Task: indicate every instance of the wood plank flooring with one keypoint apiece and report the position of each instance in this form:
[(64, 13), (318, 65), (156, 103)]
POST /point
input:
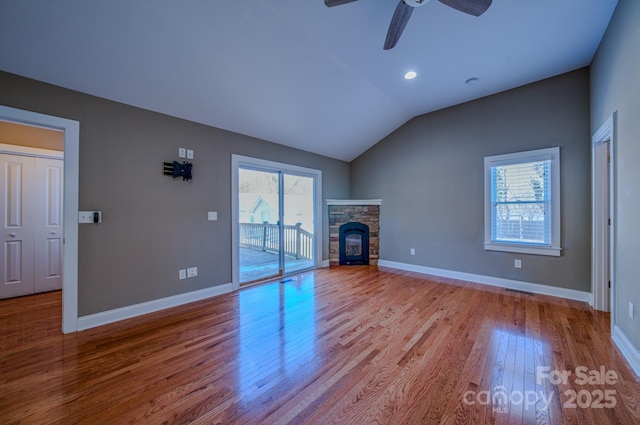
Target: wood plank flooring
[(345, 345)]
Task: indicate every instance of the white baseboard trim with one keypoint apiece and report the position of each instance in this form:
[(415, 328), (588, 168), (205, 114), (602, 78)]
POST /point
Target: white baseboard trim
[(115, 315), (535, 288), (627, 349)]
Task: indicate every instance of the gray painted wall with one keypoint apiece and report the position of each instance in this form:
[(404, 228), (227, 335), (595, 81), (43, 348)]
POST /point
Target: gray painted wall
[(154, 225), (429, 174), (615, 86)]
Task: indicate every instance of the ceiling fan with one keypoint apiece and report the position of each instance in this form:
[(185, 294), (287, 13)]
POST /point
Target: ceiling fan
[(405, 8)]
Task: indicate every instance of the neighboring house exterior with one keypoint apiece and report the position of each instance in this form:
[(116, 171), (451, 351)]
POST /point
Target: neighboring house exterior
[(254, 208), (258, 208)]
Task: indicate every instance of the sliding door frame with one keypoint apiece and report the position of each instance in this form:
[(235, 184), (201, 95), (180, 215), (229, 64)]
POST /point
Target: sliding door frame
[(239, 161)]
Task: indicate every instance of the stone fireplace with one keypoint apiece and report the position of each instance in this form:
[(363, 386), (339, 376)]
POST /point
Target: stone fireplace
[(354, 225)]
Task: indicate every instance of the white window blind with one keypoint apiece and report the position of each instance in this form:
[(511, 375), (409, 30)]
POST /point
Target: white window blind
[(522, 202)]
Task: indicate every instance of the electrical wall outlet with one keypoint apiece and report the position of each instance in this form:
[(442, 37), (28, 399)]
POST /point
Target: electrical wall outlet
[(212, 215), (182, 274), (192, 272), (189, 154), (517, 264), (413, 251)]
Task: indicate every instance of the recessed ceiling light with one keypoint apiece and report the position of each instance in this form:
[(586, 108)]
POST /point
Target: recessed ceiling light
[(410, 75), (471, 81)]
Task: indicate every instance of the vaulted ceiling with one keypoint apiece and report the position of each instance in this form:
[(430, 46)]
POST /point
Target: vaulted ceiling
[(295, 72)]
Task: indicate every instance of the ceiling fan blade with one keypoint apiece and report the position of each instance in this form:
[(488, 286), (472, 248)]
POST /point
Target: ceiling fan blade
[(398, 22), (472, 7), (331, 3)]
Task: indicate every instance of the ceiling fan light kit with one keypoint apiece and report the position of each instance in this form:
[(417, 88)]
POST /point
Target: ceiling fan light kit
[(416, 3), (405, 8)]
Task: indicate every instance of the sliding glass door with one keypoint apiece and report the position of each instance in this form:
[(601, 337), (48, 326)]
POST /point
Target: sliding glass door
[(259, 220), (276, 220), (299, 228)]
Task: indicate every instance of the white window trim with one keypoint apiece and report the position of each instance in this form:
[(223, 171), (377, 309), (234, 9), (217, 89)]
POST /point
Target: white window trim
[(552, 154)]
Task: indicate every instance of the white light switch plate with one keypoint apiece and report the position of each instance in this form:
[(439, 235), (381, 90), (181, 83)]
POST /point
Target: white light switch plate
[(85, 217), (212, 215), (182, 274), (88, 217), (182, 152)]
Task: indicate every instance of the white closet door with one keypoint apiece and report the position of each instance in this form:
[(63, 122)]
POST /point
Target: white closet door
[(16, 218), (48, 224)]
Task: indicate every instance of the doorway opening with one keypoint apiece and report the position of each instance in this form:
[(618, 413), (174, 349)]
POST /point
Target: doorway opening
[(603, 225), (31, 194), (276, 219), (71, 145)]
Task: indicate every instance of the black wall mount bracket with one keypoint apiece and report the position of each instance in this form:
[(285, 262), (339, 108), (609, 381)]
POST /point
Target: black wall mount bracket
[(175, 169)]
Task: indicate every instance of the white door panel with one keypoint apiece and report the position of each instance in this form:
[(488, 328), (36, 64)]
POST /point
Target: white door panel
[(16, 214), (31, 220), (48, 224)]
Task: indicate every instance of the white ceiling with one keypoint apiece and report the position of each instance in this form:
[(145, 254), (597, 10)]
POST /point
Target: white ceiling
[(295, 72)]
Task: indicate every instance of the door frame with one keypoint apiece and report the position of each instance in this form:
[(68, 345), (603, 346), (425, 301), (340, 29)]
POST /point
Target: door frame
[(71, 131), (238, 161), (603, 254)]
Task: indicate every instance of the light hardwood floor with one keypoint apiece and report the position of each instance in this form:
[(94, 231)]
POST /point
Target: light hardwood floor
[(352, 345)]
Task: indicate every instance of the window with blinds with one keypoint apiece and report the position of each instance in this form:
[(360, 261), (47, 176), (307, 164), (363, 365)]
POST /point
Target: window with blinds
[(522, 202), (520, 199)]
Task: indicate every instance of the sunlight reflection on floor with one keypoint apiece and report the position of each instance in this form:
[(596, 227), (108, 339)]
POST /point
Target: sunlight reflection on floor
[(283, 309)]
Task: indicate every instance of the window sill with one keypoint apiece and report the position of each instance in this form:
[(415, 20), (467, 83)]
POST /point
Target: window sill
[(523, 249)]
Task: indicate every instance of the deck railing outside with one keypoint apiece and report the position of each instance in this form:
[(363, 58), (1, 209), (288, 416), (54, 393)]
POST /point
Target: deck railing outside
[(298, 242)]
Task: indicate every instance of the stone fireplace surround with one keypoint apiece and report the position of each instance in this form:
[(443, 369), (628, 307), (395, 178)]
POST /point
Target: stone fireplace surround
[(366, 211)]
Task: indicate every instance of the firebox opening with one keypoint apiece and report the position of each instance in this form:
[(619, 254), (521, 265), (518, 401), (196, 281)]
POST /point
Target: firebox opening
[(354, 244)]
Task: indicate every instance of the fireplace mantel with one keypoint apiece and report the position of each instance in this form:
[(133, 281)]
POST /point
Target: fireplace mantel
[(354, 201)]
